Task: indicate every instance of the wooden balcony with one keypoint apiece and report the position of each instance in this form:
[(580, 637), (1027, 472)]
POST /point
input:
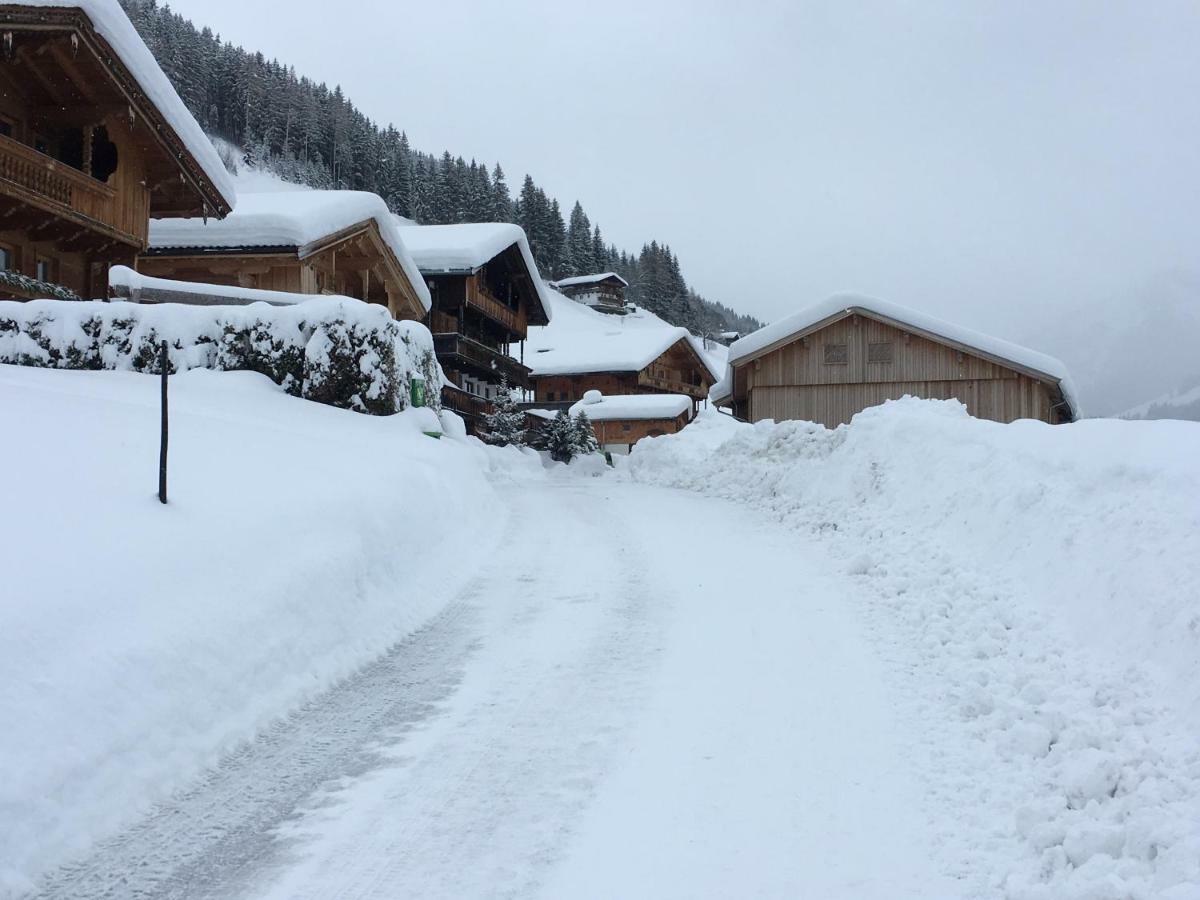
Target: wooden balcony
[(455, 351), (481, 299), (46, 190), (470, 407), (670, 386)]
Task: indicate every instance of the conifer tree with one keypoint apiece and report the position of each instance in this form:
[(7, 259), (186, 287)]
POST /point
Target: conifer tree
[(559, 438), (585, 435), (506, 423)]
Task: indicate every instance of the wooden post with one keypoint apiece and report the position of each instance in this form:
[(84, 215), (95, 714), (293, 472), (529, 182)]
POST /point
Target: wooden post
[(164, 364)]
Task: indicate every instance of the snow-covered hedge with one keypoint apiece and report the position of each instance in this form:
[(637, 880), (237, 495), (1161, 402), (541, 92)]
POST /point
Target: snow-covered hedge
[(334, 350), (1036, 591)]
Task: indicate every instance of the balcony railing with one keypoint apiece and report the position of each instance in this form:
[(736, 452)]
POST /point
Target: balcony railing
[(466, 405), (671, 386), (481, 298), (53, 186), (455, 350)]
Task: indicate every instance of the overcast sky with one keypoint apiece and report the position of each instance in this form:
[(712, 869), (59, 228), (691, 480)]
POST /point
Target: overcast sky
[(1011, 165)]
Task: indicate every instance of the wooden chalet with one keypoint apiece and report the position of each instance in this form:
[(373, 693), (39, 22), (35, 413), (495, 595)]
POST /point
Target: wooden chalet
[(93, 142), (621, 421), (644, 360), (300, 242), (486, 292), (603, 292), (830, 362)]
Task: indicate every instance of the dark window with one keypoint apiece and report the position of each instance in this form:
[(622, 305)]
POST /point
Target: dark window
[(879, 353), (6, 127), (6, 260), (625, 426), (104, 155), (836, 355), (45, 269)]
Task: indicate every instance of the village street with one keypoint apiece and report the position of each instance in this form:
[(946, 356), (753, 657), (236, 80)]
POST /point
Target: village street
[(609, 709)]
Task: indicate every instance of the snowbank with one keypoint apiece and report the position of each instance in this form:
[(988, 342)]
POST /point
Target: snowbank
[(1037, 589), (330, 349), (600, 407), (139, 642)]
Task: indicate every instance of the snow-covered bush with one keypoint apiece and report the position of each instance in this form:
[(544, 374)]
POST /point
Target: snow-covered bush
[(337, 351), (505, 425)]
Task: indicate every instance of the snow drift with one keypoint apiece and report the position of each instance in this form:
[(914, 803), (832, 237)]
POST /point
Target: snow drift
[(333, 350), (138, 642), (1037, 589)]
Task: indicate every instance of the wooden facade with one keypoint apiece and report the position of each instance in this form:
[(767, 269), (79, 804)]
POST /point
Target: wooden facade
[(678, 370), (624, 433), (479, 320), (838, 368), (85, 158), (603, 293), (354, 262)]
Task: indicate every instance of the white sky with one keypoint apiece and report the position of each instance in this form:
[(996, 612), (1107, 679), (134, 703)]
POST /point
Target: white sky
[(1029, 168)]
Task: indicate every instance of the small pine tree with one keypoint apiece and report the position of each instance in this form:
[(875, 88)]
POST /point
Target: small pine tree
[(558, 437), (506, 423), (585, 435)]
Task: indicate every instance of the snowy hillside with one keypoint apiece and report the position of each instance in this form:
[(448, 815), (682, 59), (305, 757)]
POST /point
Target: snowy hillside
[(140, 642), (1181, 404), (1034, 589)]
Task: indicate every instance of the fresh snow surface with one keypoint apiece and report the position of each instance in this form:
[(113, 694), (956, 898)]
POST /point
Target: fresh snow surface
[(114, 26), (589, 279), (140, 642), (831, 306), (603, 407), (464, 248), (580, 339), (123, 276), (281, 218), (1032, 590)]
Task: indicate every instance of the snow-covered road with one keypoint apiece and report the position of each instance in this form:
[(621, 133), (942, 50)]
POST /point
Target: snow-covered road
[(616, 706)]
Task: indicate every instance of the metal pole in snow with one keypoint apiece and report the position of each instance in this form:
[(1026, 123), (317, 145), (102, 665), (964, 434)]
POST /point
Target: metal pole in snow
[(164, 365)]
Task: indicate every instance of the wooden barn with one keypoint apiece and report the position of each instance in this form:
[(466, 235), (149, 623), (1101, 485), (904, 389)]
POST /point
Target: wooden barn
[(603, 292), (301, 242), (93, 142), (486, 292), (622, 421), (828, 363), (661, 360)]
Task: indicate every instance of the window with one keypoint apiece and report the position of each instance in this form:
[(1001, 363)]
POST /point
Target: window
[(879, 353), (6, 126), (104, 155), (836, 355), (45, 269), (6, 259), (625, 426)]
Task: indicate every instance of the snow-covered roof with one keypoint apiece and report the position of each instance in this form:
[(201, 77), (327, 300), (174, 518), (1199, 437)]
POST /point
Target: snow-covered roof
[(631, 406), (581, 340), (111, 23), (291, 219), (589, 279), (127, 284), (449, 249), (795, 325)]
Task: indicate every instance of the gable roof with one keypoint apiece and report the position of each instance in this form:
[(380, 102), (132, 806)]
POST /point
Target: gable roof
[(581, 340), (589, 279), (111, 24), (838, 306), (463, 249), (290, 219)]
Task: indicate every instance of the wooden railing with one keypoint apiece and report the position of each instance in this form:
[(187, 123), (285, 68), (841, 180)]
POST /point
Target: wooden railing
[(466, 405), (455, 349), (671, 386), (58, 188), (481, 298)]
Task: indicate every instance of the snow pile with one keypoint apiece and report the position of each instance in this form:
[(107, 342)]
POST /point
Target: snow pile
[(292, 219), (330, 349), (114, 26), (580, 339), (139, 642), (1036, 590)]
